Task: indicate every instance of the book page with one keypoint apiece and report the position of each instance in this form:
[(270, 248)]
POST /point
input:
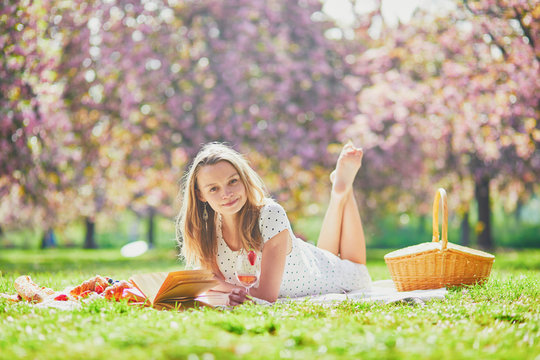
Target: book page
[(186, 289), (176, 277), (149, 284), (214, 298), (189, 275)]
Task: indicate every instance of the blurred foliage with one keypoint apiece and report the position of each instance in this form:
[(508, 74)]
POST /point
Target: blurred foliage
[(104, 103)]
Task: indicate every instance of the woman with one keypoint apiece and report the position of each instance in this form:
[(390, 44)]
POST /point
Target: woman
[(226, 209)]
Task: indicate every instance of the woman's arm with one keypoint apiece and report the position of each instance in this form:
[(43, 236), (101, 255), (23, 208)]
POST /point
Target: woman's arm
[(273, 263)]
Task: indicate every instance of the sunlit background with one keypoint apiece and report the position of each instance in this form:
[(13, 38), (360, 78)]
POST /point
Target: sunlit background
[(104, 103)]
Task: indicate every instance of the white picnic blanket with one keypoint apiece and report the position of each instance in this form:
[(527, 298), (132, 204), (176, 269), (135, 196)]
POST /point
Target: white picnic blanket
[(383, 291)]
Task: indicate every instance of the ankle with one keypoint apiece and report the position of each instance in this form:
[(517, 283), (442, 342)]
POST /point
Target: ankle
[(341, 194)]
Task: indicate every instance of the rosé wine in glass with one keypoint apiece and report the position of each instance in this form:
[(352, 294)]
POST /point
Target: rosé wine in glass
[(247, 280), (248, 267)]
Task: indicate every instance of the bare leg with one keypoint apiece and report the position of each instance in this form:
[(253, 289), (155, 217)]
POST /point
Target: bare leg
[(342, 218), (330, 235), (352, 242)]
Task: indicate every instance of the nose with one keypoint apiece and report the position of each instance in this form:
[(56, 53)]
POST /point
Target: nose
[(227, 193)]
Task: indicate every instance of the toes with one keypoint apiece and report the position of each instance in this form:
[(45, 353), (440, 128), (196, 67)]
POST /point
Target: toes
[(350, 148), (353, 152)]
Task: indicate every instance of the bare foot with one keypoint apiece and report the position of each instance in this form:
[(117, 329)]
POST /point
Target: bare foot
[(348, 164)]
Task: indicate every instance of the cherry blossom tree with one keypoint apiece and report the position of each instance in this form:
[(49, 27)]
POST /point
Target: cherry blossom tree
[(145, 84), (32, 123), (103, 103), (456, 98)]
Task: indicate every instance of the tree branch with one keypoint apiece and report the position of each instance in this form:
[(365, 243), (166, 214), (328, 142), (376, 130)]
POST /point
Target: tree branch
[(526, 31), (497, 43)]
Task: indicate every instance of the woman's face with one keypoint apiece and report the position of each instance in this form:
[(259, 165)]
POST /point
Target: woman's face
[(220, 185)]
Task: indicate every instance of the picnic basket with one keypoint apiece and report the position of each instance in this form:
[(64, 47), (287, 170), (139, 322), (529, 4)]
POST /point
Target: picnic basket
[(437, 264)]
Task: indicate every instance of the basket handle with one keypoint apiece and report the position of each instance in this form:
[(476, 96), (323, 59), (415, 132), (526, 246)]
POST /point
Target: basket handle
[(441, 194)]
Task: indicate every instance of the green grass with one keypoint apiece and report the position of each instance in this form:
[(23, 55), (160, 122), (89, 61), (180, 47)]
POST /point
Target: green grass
[(497, 320)]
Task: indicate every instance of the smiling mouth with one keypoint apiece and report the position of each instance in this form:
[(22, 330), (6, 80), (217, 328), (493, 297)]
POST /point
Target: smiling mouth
[(231, 203)]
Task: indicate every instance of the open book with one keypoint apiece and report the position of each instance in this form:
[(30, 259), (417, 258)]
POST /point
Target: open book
[(170, 290)]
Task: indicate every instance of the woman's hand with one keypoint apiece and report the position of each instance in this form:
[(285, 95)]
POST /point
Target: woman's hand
[(238, 296)]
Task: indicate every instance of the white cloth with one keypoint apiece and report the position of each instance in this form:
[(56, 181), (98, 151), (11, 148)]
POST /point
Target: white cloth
[(308, 269), (383, 291)]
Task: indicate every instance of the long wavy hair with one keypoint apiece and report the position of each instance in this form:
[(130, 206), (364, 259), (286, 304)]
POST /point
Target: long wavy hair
[(197, 240)]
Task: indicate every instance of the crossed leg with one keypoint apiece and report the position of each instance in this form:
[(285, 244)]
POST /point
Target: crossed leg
[(341, 231)]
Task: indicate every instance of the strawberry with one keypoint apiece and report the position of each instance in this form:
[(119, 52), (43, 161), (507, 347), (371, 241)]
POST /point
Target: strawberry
[(252, 256), (61, 297), (86, 294), (99, 289)]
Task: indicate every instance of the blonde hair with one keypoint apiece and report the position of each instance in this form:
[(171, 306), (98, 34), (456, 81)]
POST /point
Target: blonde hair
[(198, 242)]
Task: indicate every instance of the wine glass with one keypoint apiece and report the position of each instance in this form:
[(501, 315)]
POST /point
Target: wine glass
[(248, 267)]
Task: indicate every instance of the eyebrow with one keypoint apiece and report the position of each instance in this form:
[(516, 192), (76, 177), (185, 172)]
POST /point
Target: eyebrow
[(212, 184)]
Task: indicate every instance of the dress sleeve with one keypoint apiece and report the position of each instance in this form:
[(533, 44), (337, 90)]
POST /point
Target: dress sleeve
[(273, 220)]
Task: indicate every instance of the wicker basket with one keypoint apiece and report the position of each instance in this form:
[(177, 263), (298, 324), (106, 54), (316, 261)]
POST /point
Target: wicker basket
[(438, 264)]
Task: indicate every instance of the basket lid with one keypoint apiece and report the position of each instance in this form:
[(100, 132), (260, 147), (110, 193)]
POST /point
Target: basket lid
[(439, 243), (413, 250), (432, 246)]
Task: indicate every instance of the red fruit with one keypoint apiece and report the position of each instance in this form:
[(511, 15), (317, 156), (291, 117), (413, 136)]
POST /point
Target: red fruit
[(85, 294), (252, 256), (61, 297), (99, 289)]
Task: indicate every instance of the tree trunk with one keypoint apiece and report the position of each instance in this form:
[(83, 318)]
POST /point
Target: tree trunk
[(465, 230), (481, 192), (517, 212), (49, 239), (90, 238), (422, 224), (45, 240), (151, 228)]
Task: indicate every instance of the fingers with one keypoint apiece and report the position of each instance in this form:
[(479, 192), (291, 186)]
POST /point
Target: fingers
[(237, 296)]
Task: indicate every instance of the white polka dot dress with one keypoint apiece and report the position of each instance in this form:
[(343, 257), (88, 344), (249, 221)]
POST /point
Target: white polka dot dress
[(308, 269)]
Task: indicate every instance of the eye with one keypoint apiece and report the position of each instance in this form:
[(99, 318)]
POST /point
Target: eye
[(233, 181), (213, 189)]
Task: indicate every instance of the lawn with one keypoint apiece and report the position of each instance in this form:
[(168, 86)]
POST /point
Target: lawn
[(497, 320)]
